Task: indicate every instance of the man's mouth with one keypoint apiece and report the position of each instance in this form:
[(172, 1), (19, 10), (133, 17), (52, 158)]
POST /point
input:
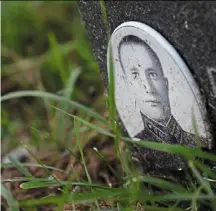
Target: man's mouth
[(153, 103)]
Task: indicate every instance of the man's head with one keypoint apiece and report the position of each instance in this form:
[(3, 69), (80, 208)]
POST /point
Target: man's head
[(145, 77)]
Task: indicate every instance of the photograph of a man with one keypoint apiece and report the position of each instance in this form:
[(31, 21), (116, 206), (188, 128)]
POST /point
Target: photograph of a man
[(146, 80), (150, 88)]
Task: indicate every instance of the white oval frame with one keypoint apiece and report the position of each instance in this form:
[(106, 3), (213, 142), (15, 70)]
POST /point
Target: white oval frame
[(176, 58)]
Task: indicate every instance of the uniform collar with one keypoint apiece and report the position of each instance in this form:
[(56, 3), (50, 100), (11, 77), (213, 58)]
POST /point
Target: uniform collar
[(171, 132)]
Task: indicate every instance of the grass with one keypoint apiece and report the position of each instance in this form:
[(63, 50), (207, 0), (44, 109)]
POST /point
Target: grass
[(58, 92)]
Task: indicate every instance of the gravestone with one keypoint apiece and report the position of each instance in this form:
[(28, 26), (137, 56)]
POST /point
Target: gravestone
[(164, 57)]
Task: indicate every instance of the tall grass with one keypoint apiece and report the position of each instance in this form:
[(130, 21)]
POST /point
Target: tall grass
[(134, 190)]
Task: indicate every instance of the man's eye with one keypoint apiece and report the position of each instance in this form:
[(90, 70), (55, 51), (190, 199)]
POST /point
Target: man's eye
[(153, 75), (135, 75)]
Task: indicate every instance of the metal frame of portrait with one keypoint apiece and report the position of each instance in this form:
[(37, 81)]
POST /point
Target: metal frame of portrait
[(183, 93)]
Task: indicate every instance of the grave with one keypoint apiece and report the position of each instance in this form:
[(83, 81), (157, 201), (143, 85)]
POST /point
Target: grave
[(164, 57)]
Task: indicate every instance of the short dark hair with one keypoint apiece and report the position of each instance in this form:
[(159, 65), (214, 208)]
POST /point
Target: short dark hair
[(135, 39)]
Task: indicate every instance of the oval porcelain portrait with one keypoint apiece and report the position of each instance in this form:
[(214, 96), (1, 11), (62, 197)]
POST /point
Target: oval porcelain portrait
[(155, 93)]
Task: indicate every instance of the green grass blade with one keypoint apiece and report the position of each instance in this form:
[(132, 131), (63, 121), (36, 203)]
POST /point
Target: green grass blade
[(76, 126), (35, 165), (75, 73), (57, 57), (115, 194), (108, 165), (67, 93), (13, 204), (75, 198), (47, 95), (49, 173), (112, 105), (81, 150), (92, 126), (48, 183), (20, 167), (154, 208), (205, 184), (187, 152), (163, 184), (111, 89), (196, 132), (167, 197), (23, 179), (43, 201), (178, 149), (205, 169), (174, 197), (105, 17)]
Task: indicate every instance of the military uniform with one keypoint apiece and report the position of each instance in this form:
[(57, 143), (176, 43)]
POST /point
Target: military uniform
[(171, 133)]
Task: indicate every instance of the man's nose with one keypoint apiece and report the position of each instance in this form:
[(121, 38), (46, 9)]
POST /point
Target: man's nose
[(147, 85)]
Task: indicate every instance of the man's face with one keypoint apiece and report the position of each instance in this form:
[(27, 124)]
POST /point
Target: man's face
[(146, 80)]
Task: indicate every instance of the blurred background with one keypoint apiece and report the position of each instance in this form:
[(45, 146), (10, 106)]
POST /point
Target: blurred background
[(45, 47), (45, 56)]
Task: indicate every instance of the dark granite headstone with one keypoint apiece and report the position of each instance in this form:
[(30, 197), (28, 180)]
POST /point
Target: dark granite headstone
[(190, 29)]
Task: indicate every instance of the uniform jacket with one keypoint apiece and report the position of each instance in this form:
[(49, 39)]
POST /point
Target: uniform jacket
[(171, 133)]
